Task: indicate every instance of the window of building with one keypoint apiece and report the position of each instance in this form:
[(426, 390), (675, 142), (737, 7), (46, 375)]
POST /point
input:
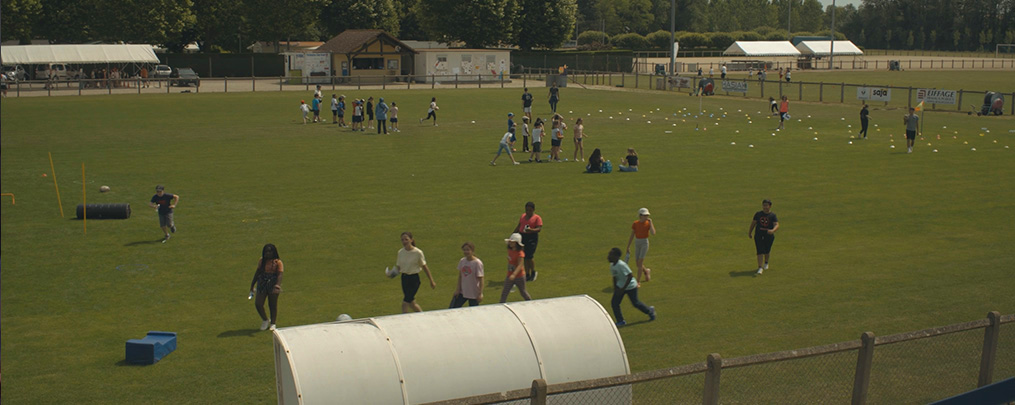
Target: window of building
[(368, 63)]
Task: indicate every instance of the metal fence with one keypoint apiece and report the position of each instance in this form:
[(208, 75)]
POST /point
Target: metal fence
[(644, 65), (911, 367)]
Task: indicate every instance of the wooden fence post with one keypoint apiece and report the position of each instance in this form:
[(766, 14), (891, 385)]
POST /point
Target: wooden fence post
[(909, 99), (821, 91), (861, 380), (959, 106), (989, 353), (801, 91), (712, 376), (842, 93), (538, 392)]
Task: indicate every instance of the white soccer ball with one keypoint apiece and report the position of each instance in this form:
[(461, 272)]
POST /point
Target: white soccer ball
[(391, 272), (344, 317), (104, 189)]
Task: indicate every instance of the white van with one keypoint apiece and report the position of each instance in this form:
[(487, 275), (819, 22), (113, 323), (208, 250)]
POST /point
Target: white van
[(59, 71)]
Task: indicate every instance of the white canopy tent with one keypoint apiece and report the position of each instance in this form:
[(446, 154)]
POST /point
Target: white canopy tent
[(762, 48), (77, 54), (824, 48)]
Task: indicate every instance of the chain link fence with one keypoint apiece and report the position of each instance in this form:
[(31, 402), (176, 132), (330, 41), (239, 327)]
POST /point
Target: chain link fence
[(826, 378), (926, 370)]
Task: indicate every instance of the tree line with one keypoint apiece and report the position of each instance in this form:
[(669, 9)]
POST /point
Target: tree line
[(231, 25)]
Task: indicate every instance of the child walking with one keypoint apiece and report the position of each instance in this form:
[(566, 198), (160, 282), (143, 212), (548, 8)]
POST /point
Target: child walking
[(305, 110), (640, 231), (516, 268), (431, 112), (625, 284), (470, 278)]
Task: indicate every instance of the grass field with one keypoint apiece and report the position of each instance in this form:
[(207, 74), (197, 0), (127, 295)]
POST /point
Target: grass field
[(871, 238)]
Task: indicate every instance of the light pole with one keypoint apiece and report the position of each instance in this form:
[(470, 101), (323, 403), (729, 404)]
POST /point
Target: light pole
[(789, 20), (831, 44), (673, 35)]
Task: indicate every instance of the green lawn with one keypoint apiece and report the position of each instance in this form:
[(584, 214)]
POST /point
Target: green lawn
[(871, 238)]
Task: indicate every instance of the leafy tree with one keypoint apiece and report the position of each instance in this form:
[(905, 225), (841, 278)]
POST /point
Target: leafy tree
[(156, 22), (408, 23), (659, 40), (623, 16), (778, 35), (631, 41), (341, 15), (750, 36), (545, 24), (910, 40), (593, 37), (67, 21), (721, 40), (218, 22), (277, 20), (811, 16), (477, 23), (693, 40), (18, 18)]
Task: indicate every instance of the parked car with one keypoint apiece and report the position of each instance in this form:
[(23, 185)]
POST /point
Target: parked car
[(15, 72), (59, 71), (162, 71), (185, 77)]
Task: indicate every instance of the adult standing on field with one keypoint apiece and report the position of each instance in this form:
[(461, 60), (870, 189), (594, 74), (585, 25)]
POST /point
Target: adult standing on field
[(766, 223), (527, 103), (783, 112), (165, 203), (640, 231), (268, 282), (370, 112), (912, 122), (410, 261), (554, 96), (864, 120), (529, 226), (382, 116)]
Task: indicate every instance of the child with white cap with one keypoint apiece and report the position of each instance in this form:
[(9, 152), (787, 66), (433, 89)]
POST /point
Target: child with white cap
[(640, 231), (516, 268)]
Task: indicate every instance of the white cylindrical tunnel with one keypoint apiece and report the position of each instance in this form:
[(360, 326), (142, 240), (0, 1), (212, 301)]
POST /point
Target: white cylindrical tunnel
[(436, 355)]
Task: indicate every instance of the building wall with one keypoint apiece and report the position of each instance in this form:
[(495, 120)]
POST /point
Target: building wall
[(468, 64)]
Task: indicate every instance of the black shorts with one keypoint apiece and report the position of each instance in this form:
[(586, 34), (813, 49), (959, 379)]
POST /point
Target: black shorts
[(782, 116), (911, 135), (266, 283), (530, 243), (537, 146), (554, 142), (763, 242), (410, 286), (394, 120)]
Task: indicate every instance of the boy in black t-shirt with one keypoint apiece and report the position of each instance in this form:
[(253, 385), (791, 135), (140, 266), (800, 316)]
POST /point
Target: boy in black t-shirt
[(165, 203), (767, 223)]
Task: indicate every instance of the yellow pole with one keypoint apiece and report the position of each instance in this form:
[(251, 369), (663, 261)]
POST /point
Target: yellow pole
[(84, 199), (55, 185)]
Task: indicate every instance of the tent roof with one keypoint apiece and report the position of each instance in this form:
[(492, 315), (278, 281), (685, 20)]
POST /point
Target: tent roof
[(762, 48), (824, 48), (77, 54)]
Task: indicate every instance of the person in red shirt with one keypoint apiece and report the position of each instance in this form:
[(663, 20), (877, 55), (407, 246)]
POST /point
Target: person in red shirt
[(640, 231), (529, 226)]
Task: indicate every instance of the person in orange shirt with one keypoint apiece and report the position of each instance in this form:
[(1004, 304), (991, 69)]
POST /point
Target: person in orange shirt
[(516, 268), (783, 112), (640, 231)]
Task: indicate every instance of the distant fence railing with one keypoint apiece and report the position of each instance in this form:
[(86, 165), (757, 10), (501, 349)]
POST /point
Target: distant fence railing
[(911, 367), (641, 65)]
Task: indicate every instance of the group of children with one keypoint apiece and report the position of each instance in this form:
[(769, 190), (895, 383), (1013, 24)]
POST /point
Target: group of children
[(363, 112), (537, 133)]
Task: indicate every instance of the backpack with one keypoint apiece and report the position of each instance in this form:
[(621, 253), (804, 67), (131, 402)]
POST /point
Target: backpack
[(607, 167)]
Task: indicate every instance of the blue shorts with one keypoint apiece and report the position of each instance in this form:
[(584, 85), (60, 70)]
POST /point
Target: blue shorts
[(503, 147), (394, 120)]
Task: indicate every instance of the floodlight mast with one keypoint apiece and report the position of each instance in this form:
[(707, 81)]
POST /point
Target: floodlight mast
[(673, 35), (831, 44)]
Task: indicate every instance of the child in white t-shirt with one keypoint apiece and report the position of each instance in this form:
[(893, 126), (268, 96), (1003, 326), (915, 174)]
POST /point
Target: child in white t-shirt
[(393, 117), (505, 145), (305, 110)]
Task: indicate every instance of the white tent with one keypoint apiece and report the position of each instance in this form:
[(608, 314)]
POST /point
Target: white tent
[(454, 353), (762, 48), (77, 54), (823, 48)]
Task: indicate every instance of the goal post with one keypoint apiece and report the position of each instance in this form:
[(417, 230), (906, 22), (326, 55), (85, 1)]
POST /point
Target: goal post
[(1004, 49)]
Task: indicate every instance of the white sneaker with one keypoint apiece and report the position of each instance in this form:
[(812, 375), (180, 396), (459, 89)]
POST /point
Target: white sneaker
[(765, 267), (265, 324), (517, 163), (493, 164), (272, 327), (420, 120), (760, 270)]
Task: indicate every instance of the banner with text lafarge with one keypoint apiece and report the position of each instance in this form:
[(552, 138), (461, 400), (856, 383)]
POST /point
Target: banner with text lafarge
[(735, 86), (934, 96), (874, 93)]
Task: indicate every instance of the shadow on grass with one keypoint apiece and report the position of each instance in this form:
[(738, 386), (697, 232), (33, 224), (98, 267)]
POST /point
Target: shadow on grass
[(143, 242), (744, 273), (630, 324), (239, 332), (124, 363)]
